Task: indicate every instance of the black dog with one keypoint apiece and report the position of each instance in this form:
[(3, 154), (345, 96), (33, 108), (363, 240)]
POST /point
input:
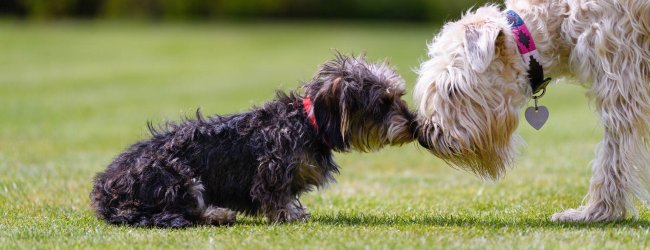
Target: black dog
[(202, 171)]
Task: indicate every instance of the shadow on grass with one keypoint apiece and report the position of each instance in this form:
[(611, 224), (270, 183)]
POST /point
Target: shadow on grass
[(392, 220), (360, 219)]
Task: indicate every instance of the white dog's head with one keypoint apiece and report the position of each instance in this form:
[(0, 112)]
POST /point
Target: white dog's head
[(469, 93)]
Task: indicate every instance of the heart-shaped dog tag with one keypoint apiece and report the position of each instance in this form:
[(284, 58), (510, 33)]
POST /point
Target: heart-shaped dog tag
[(536, 117)]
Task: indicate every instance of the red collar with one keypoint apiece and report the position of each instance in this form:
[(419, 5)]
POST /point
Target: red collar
[(309, 109)]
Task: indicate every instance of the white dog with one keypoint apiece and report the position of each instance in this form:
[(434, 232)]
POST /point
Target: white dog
[(483, 68)]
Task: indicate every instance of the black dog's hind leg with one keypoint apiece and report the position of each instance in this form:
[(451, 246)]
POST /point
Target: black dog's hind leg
[(218, 216), (167, 219), (206, 215), (157, 196), (211, 215), (187, 207)]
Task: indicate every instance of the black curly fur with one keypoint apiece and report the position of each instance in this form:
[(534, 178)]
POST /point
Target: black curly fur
[(200, 171)]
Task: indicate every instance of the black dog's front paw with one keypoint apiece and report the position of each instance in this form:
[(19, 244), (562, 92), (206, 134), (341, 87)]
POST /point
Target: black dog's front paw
[(293, 212)]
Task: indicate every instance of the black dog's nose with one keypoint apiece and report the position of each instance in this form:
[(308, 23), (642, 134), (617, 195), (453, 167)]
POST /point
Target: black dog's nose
[(414, 129), (424, 142)]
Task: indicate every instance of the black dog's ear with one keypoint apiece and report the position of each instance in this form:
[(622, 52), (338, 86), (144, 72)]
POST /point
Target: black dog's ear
[(335, 91), (330, 89), (332, 114)]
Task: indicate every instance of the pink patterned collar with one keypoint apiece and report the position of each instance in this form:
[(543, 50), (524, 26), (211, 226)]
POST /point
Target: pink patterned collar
[(528, 51)]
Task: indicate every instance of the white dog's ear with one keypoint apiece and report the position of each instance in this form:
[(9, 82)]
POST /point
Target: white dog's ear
[(480, 45)]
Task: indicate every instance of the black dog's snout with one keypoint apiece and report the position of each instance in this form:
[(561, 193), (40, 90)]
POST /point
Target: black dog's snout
[(422, 135), (424, 142), (414, 128)]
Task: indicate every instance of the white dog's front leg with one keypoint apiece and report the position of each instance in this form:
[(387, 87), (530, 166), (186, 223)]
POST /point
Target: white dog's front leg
[(619, 174), (607, 197)]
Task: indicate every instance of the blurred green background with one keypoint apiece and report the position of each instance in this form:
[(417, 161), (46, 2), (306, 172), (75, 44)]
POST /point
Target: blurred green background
[(405, 10), (79, 79)]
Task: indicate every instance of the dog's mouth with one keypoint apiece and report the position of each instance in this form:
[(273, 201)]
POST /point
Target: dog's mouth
[(431, 137), (488, 161), (399, 135), (403, 129)]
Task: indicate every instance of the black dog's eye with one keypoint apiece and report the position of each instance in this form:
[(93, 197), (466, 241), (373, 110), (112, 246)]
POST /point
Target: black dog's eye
[(384, 106)]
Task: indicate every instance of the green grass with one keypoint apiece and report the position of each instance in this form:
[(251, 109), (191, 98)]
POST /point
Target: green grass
[(73, 95)]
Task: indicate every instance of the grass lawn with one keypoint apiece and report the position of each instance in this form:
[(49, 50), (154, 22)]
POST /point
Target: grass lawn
[(73, 95)]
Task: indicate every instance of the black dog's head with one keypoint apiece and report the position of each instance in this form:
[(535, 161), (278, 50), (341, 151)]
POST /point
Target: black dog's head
[(358, 105)]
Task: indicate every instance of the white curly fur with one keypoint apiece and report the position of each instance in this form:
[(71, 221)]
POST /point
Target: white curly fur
[(471, 89)]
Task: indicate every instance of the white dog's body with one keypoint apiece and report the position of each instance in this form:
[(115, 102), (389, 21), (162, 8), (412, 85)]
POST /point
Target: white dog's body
[(471, 89)]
